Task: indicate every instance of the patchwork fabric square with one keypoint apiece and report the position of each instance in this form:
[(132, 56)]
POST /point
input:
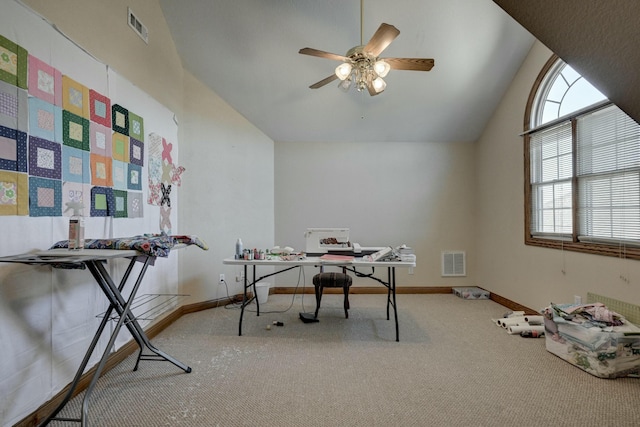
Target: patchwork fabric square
[(13, 150), (45, 120), (76, 165), (75, 131), (134, 204), (45, 158), (154, 158), (101, 169), (165, 219), (76, 196), (176, 175), (100, 139), (120, 147), (13, 107), (136, 127), (120, 204), (120, 119), (102, 201), (166, 151), (45, 197), (13, 63), (45, 82), (99, 108), (136, 151), (134, 177), (120, 171), (75, 97), (155, 193), (14, 193), (166, 194)]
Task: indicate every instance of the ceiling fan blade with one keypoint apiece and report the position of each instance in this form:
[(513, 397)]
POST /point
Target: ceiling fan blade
[(322, 54), (411, 64), (382, 38), (323, 82)]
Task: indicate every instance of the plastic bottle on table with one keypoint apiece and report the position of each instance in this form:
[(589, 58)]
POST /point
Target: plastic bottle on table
[(76, 229), (239, 249)]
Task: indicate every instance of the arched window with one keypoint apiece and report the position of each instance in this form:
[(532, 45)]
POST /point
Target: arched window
[(562, 91), (582, 167)]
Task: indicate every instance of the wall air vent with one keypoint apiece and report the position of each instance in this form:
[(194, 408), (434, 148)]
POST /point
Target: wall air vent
[(137, 26), (453, 264)]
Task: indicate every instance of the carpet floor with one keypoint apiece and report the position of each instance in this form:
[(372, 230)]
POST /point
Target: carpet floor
[(452, 367)]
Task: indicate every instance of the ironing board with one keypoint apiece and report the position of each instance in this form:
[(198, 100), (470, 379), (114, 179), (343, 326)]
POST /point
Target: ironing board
[(146, 252)]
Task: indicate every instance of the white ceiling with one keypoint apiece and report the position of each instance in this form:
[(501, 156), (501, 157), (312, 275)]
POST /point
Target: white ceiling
[(247, 52)]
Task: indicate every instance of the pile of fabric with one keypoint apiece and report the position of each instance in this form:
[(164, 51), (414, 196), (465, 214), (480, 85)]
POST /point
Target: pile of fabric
[(596, 314), (593, 338), (157, 245)]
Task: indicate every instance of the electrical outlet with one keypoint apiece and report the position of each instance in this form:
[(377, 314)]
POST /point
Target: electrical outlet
[(577, 299), (222, 278), (240, 276)]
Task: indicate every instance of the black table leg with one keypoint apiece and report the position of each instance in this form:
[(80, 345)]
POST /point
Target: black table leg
[(392, 284), (244, 299)]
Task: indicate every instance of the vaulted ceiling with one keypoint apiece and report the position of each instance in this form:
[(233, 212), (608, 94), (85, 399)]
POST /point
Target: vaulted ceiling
[(247, 52), (599, 39)]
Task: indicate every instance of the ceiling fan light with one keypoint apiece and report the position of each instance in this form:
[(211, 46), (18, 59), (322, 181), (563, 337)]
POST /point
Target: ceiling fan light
[(343, 70), (345, 84), (381, 68), (379, 85)]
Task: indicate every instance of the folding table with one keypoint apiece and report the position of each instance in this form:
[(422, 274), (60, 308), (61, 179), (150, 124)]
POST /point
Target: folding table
[(352, 265)]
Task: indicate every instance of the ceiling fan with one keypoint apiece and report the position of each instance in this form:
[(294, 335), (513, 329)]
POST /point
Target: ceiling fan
[(363, 65)]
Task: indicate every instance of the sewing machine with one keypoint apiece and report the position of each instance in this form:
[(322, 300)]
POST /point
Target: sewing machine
[(333, 240)]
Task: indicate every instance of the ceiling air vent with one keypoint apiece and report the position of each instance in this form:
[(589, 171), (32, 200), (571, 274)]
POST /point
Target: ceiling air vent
[(453, 264), (138, 26)]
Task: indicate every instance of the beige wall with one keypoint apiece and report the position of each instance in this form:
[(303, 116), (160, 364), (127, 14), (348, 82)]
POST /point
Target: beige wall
[(227, 189), (229, 186), (101, 28), (387, 194), (530, 275), (227, 192), (428, 195)]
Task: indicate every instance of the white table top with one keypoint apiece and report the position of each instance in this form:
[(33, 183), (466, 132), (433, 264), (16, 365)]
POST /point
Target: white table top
[(315, 261)]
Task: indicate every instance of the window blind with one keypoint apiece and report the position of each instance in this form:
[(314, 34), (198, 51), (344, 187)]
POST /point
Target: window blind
[(551, 172), (608, 171)]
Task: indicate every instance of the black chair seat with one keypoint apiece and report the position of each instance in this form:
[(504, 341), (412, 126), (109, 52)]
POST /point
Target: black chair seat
[(332, 280)]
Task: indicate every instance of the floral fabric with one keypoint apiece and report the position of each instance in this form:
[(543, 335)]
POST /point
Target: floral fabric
[(156, 245)]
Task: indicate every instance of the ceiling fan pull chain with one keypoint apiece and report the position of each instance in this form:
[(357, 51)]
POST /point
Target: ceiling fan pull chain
[(361, 21)]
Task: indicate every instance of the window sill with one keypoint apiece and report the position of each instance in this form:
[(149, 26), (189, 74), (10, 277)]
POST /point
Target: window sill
[(618, 251)]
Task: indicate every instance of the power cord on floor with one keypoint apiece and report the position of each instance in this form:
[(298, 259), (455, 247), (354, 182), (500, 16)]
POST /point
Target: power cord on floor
[(234, 304)]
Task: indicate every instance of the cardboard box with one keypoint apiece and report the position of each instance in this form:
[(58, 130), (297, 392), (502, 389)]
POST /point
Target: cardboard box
[(471, 293)]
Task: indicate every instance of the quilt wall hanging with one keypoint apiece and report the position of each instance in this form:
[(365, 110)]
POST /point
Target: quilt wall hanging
[(163, 175), (64, 145)]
